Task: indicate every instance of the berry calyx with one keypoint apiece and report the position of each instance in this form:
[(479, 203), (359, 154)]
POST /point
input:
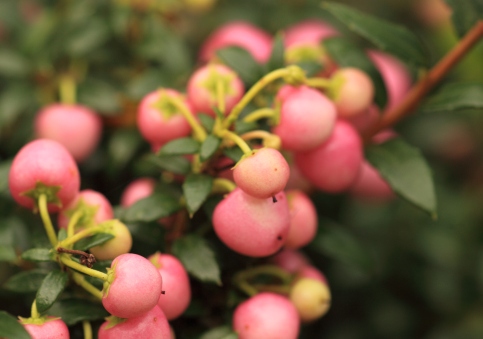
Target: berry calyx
[(262, 174)]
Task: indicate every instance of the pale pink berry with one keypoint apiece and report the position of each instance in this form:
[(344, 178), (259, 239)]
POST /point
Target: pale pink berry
[(133, 286), (202, 88), (366, 120), (303, 220), (290, 260), (353, 91), (262, 174), (176, 284), (158, 120), (52, 328), (266, 315), (370, 185), (241, 34), (120, 244), (44, 166), (395, 75), (137, 190), (333, 166), (251, 226), (311, 298), (76, 127), (94, 206), (311, 272), (310, 32), (149, 325), (307, 118)]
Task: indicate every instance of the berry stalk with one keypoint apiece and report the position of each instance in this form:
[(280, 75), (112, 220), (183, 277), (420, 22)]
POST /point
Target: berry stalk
[(44, 214)]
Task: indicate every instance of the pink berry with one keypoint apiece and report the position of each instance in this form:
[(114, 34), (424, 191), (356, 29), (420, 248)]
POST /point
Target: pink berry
[(137, 190), (311, 272), (44, 166), (307, 118), (370, 185), (266, 315), (241, 34), (158, 120), (51, 328), (202, 88), (290, 260), (251, 226), (353, 92), (395, 75), (366, 120), (120, 244), (303, 220), (133, 286), (262, 174), (94, 206), (176, 283), (149, 325), (333, 166), (76, 127), (310, 32)]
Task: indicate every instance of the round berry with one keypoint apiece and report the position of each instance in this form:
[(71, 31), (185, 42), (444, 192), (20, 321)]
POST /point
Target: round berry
[(76, 127), (311, 298), (262, 174), (290, 260), (251, 226), (44, 167), (120, 244), (50, 327), (268, 316), (137, 190), (303, 220), (370, 185)]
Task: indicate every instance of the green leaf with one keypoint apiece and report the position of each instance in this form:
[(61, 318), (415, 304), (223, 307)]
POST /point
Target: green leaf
[(52, 286), (7, 253), (95, 240), (346, 54), (234, 153), (221, 332), (242, 62), (157, 205), (385, 35), (13, 64), (206, 121), (197, 257), (465, 14), (311, 68), (176, 164), (37, 254), (454, 97), (277, 60), (74, 310), (88, 39), (100, 96), (25, 282), (209, 147), (180, 147), (10, 328), (196, 189), (406, 171)]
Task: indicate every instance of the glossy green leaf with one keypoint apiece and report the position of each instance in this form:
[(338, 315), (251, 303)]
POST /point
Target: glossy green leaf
[(346, 54), (242, 62), (37, 254), (177, 164), (209, 147), (196, 189), (157, 205), (206, 121), (221, 332), (234, 153), (95, 240), (465, 14), (197, 257), (25, 282), (180, 147), (75, 310), (454, 97), (52, 286), (276, 60), (407, 172), (385, 35), (10, 328)]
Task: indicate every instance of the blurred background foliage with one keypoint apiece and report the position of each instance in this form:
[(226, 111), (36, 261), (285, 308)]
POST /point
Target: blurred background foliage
[(393, 271)]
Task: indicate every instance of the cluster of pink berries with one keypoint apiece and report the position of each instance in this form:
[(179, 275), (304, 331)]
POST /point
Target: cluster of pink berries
[(316, 123)]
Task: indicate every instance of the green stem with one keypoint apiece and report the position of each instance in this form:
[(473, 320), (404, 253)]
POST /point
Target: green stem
[(72, 223), (220, 95), (227, 135), (321, 83), (291, 74), (81, 281), (200, 133), (67, 89), (261, 113), (86, 326), (269, 139), (67, 261), (80, 235), (267, 270), (247, 288), (34, 313), (222, 185), (44, 214)]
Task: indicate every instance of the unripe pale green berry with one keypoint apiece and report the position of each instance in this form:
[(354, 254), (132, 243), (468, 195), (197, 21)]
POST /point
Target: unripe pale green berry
[(311, 298)]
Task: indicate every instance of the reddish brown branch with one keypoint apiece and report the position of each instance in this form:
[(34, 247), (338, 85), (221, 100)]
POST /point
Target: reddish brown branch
[(429, 80)]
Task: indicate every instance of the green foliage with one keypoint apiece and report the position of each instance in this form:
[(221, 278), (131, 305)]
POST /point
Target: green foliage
[(465, 14), (196, 189), (11, 328), (155, 206), (455, 97), (242, 62), (50, 289)]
